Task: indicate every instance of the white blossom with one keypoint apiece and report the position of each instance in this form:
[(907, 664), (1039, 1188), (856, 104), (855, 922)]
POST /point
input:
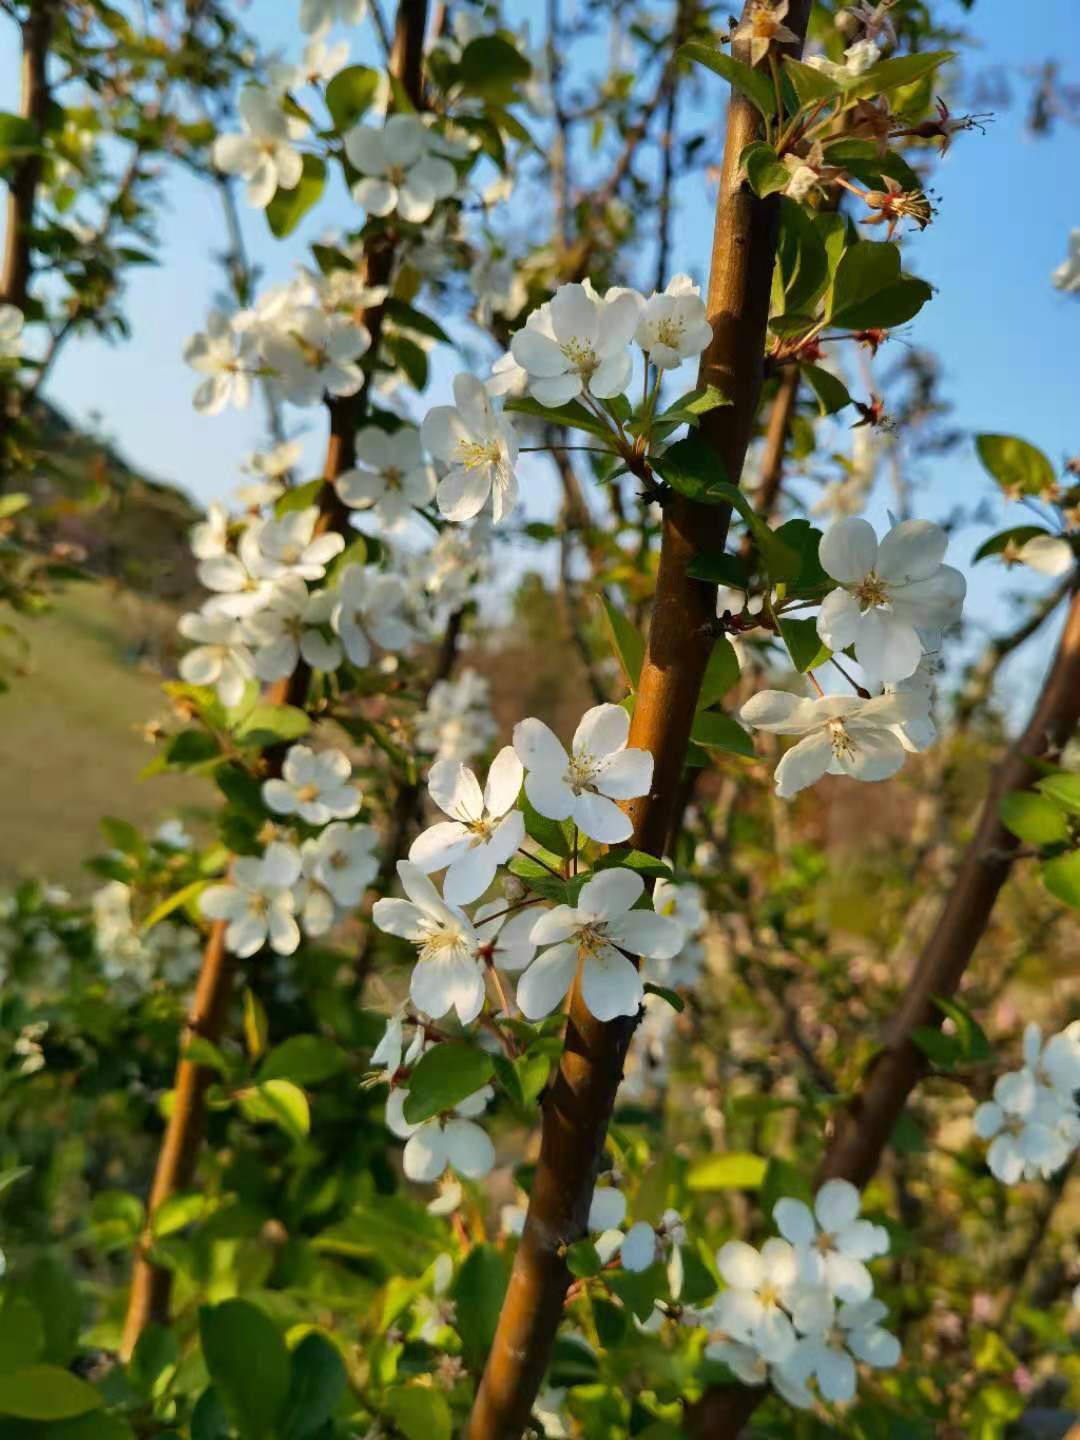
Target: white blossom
[(451, 1141), (1047, 554), (220, 659), (11, 328), (673, 326), (288, 628), (761, 1289), (497, 285), (368, 613), (844, 735), (223, 356), (1067, 275), (854, 1333), (457, 723), (484, 829), (314, 14), (506, 940), (289, 545), (401, 168), (391, 475), (1028, 1127), (313, 786), (392, 1053), (831, 1243), (343, 859), (891, 596), (594, 934), (578, 342), (263, 153), (257, 902), (478, 449), (316, 356), (320, 62), (447, 974), (209, 537), (585, 785)]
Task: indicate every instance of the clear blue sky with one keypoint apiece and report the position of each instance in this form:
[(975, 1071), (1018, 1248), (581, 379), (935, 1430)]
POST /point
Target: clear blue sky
[(1009, 343)]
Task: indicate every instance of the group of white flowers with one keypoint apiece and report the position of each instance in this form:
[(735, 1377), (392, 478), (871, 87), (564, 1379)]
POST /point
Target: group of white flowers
[(267, 899), (1033, 1121), (802, 1307), (892, 603)]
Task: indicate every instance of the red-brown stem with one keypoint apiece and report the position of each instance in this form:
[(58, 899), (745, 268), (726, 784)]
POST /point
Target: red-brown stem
[(578, 1103), (863, 1129), (23, 187), (148, 1299)]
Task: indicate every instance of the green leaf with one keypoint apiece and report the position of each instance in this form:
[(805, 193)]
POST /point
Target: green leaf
[(694, 404), (1035, 819), (407, 318), (692, 467), (553, 835), (298, 497), (539, 879), (177, 1212), (281, 1103), (445, 1076), (288, 207), (943, 1051), (805, 539), (22, 1334), (672, 997), (305, 1060), (573, 415), (869, 289), (122, 836), (479, 1289), (733, 1171), (1061, 876), (1064, 789), (256, 1025), (721, 673), (582, 1259), (248, 1362), (619, 857), (719, 570), (765, 171), (11, 504), (628, 643), (974, 1046), (350, 94), (802, 264), (755, 85), (832, 393), (45, 1392), (804, 644), (272, 725), (318, 1383), (893, 74), (18, 138), (492, 68), (716, 731), (809, 84), (1019, 468), (154, 1362), (784, 1181)]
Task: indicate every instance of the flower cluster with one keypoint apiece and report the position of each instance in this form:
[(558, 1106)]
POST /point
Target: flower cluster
[(307, 882), (890, 608), (802, 1308), (1033, 1121)]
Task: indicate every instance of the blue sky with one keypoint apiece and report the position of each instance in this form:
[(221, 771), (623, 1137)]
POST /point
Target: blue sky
[(1009, 343)]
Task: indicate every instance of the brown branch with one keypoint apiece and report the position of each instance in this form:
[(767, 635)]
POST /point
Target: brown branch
[(26, 176), (578, 1103), (148, 1299), (863, 1129)]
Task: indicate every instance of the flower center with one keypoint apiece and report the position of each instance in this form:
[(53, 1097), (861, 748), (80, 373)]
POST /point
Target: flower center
[(393, 477), (440, 942), (590, 940), (290, 554), (583, 358), (769, 1295), (307, 793), (842, 743), (580, 773), (670, 331), (474, 454), (825, 1243), (871, 591), (338, 860), (483, 829)]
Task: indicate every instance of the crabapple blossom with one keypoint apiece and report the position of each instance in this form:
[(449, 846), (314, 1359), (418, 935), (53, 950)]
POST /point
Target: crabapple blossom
[(890, 596), (685, 904), (478, 448), (316, 356), (578, 342), (263, 153), (209, 537), (853, 1333), (220, 659), (507, 377), (237, 580), (448, 974), (391, 1053), (484, 829), (920, 732), (343, 860), (368, 613), (673, 326), (258, 902), (1055, 1064), (831, 1244), (401, 168), (607, 1210), (289, 545), (457, 723), (391, 475), (223, 356), (287, 629), (314, 786), (764, 27), (1024, 1123), (314, 14), (844, 735), (760, 1285), (584, 785), (593, 934), (11, 328), (320, 62), (452, 1141), (1047, 554)]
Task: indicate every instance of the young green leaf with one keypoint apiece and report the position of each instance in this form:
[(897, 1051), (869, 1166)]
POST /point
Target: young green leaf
[(755, 85), (444, 1077)]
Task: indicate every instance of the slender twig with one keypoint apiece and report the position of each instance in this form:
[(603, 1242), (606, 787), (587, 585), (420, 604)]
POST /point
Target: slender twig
[(26, 175), (578, 1102)]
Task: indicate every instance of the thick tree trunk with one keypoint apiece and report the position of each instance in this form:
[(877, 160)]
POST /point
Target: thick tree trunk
[(579, 1101)]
